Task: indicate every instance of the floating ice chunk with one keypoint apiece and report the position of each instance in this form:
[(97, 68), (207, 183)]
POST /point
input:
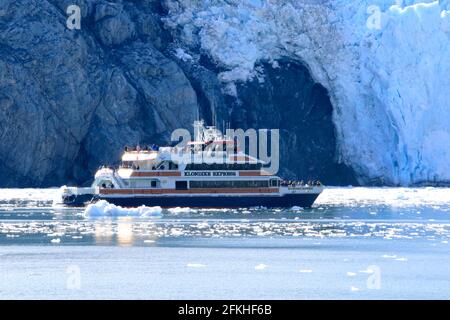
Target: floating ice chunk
[(260, 266), (103, 208), (386, 256), (351, 274), (305, 270), (57, 240), (354, 289), (202, 225), (392, 197), (368, 271), (195, 265), (176, 232), (55, 234), (401, 259), (179, 210)]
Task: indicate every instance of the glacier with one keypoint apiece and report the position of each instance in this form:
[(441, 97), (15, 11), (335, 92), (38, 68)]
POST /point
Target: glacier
[(385, 64)]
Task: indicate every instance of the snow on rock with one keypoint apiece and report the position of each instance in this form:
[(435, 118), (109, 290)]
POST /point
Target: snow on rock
[(103, 208), (182, 55), (385, 63)]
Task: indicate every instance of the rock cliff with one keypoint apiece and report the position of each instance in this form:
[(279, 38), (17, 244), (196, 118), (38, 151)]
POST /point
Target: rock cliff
[(71, 99)]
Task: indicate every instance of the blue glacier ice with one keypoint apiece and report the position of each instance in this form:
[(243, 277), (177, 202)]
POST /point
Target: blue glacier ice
[(385, 63)]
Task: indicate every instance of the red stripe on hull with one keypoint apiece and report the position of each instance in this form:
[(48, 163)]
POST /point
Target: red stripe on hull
[(253, 173), (156, 174)]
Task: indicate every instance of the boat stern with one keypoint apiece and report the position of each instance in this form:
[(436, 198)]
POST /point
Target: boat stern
[(76, 197)]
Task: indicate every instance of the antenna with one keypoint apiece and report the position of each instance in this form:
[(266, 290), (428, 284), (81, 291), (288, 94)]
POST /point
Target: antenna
[(214, 120)]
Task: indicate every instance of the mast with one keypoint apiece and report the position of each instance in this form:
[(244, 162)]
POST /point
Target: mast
[(198, 130)]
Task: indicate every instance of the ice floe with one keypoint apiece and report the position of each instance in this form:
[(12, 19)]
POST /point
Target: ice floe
[(195, 265), (260, 266), (305, 270), (103, 208), (393, 197)]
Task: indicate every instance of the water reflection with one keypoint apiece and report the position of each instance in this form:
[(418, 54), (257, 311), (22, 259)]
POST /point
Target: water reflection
[(103, 232), (125, 231)]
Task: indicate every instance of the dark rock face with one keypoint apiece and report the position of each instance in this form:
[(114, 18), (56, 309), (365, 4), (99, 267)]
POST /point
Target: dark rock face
[(71, 99), (113, 25), (286, 97)]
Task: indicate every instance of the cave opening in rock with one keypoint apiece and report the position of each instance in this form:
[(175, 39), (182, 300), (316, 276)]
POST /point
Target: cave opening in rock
[(284, 96)]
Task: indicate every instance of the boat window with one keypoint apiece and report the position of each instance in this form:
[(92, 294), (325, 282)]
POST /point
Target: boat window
[(274, 182), (230, 184), (105, 184), (126, 164), (224, 166), (172, 166), (144, 183), (181, 185), (167, 165)]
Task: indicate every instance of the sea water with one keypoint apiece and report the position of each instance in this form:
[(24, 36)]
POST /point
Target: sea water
[(355, 243)]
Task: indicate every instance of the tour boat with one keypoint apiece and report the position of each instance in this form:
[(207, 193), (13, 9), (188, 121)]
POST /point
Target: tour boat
[(208, 174)]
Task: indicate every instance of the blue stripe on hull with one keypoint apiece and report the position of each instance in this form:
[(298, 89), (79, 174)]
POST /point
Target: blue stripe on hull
[(290, 200)]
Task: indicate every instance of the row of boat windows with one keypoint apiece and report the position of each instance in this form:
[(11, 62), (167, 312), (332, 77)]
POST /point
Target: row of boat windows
[(168, 165), (223, 166), (143, 183), (233, 184), (206, 184), (165, 165)]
